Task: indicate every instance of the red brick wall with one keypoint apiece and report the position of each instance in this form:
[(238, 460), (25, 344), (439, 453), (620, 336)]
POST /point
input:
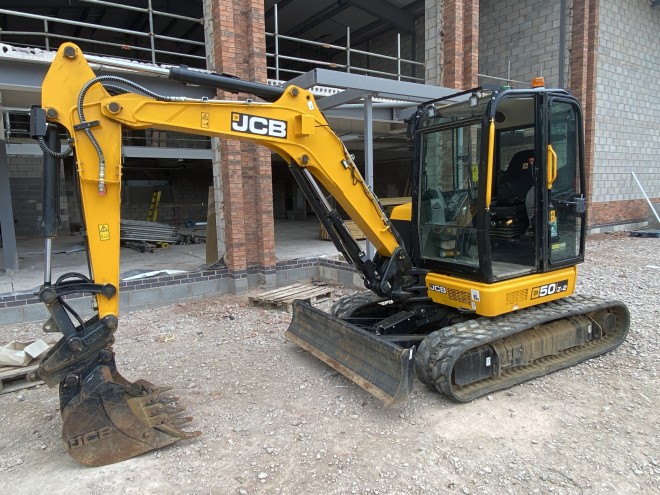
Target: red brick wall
[(460, 43), (240, 49), (617, 212), (582, 67)]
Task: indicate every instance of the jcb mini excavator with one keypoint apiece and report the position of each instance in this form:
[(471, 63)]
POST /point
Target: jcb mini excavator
[(470, 287)]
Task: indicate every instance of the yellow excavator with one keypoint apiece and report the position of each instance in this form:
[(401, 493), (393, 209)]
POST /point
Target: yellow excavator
[(471, 287)]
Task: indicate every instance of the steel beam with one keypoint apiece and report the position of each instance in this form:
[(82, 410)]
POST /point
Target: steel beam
[(341, 98), (377, 87)]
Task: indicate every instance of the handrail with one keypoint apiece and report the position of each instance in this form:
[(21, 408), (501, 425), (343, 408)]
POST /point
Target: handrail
[(345, 53), (50, 22), (347, 49)]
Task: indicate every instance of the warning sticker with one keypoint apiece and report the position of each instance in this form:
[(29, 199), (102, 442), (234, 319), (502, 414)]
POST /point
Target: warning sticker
[(104, 232), (475, 172)]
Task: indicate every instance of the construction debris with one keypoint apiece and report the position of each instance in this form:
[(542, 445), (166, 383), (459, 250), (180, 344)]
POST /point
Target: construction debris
[(17, 353)]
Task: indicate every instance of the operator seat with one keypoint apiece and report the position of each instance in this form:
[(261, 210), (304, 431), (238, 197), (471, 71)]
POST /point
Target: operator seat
[(517, 179), (509, 216)]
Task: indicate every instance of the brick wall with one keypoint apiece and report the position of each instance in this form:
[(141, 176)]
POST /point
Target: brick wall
[(627, 111), (451, 37), (607, 213), (524, 33), (239, 48)]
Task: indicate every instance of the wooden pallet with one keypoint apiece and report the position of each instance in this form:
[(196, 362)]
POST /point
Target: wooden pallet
[(13, 378), (283, 297)]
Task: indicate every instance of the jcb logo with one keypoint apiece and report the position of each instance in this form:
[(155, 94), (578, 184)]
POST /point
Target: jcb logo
[(252, 124), (92, 436)]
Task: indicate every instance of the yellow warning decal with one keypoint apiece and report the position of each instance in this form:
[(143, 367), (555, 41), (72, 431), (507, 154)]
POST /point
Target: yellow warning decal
[(206, 120), (475, 172), (104, 232)]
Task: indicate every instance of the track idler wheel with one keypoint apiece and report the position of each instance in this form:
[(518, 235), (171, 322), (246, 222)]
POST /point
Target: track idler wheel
[(110, 419)]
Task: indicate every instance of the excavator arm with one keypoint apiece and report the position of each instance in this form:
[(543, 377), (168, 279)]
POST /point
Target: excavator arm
[(106, 417), (292, 126)]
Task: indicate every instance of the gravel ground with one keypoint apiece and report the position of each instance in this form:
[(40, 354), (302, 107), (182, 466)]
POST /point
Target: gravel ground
[(277, 421)]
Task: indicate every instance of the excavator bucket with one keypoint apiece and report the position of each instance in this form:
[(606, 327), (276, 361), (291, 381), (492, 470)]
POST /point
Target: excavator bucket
[(110, 419), (381, 368)]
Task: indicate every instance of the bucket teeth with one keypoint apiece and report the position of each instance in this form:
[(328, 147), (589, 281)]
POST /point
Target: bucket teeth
[(181, 421), (173, 431), (159, 408), (162, 412)]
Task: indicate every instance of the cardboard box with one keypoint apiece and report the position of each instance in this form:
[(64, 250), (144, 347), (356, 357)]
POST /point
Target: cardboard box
[(21, 353)]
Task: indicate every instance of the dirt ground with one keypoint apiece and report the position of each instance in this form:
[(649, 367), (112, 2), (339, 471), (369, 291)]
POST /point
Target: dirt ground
[(277, 421)]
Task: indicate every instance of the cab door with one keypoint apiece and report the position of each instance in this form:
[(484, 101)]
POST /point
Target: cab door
[(564, 182)]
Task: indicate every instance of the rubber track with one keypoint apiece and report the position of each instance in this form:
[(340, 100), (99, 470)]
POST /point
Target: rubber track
[(437, 354)]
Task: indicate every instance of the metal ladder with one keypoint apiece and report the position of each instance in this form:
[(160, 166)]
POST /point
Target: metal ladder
[(153, 208)]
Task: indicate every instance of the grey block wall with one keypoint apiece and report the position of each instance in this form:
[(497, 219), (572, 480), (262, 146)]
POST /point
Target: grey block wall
[(432, 49), (627, 102), (25, 182), (522, 32)]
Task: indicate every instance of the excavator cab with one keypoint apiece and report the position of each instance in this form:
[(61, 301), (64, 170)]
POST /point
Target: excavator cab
[(499, 185)]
